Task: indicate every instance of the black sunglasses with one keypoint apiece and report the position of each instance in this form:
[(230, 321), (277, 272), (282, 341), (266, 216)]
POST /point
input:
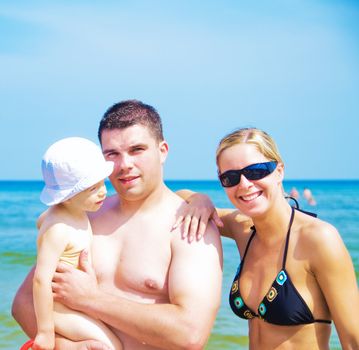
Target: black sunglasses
[(251, 172)]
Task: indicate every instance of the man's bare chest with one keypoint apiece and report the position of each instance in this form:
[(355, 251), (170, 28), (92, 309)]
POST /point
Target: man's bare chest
[(135, 265)]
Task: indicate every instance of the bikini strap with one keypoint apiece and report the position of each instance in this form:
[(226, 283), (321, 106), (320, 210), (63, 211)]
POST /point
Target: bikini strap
[(287, 239), (323, 321), (247, 246), (307, 212)]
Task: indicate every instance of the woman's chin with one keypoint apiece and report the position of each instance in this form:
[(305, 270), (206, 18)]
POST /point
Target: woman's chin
[(253, 208)]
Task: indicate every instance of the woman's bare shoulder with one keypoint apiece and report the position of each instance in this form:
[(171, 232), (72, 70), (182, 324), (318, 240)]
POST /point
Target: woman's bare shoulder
[(317, 231), (321, 241)]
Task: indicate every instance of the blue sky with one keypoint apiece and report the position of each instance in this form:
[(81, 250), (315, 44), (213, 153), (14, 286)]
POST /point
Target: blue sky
[(288, 67)]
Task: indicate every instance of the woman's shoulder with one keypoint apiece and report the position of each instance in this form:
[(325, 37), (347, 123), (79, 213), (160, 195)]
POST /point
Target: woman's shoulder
[(320, 239), (316, 230)]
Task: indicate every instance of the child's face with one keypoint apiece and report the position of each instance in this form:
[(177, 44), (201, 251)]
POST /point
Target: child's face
[(90, 199)]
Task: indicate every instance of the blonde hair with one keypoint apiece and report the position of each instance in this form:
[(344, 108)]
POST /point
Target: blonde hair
[(259, 138)]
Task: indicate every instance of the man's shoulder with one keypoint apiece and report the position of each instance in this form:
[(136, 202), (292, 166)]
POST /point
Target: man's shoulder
[(211, 239), (171, 202), (171, 196), (176, 205)]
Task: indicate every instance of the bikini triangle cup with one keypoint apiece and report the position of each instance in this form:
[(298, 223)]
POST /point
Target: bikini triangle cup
[(282, 305)]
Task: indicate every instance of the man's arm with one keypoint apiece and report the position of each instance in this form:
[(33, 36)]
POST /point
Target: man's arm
[(24, 313), (23, 307), (185, 322)]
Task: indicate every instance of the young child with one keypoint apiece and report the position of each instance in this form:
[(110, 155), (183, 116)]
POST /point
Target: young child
[(74, 170)]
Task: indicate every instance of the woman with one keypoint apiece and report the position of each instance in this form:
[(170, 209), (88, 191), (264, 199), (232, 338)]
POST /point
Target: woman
[(295, 275)]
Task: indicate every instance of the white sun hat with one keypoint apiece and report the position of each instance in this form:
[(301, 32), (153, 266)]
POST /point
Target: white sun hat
[(70, 166)]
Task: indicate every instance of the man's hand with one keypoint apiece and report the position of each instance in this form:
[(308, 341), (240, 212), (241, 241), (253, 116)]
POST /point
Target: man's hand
[(195, 215), (62, 343), (74, 287)]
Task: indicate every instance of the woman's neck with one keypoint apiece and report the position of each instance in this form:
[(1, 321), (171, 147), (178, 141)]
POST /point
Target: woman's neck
[(273, 225)]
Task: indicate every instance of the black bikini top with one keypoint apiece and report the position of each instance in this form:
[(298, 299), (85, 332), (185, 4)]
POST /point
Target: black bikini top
[(282, 305)]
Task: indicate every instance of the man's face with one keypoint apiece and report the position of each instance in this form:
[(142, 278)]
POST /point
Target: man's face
[(138, 159)]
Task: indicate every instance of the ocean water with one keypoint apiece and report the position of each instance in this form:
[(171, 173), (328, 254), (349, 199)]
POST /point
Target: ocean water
[(337, 203)]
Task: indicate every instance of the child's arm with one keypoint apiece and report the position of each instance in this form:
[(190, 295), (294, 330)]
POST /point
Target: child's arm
[(51, 244)]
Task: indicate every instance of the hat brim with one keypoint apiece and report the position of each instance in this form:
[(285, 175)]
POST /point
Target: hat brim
[(51, 196)]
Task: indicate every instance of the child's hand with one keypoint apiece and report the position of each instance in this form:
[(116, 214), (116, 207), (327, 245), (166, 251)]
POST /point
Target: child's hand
[(44, 341)]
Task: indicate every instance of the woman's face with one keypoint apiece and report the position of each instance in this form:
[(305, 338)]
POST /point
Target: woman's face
[(252, 197)]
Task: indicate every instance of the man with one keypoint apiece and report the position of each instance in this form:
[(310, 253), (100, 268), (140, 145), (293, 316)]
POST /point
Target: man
[(153, 288)]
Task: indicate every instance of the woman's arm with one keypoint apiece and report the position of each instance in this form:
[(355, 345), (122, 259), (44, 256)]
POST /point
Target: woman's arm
[(201, 209), (234, 223), (196, 214), (334, 270)]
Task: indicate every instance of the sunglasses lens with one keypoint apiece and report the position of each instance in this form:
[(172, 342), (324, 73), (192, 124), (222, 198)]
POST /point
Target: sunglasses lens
[(252, 172), (230, 178), (255, 174), (259, 171)]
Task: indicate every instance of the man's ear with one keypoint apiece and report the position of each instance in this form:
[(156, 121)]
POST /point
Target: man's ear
[(163, 148)]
